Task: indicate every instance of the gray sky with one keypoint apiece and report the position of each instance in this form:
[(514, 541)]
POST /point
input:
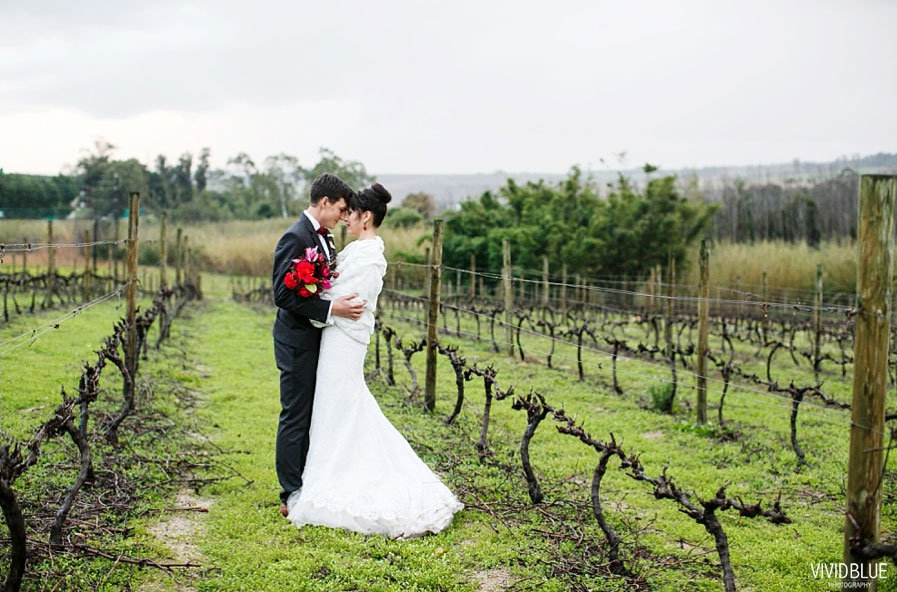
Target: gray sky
[(449, 87)]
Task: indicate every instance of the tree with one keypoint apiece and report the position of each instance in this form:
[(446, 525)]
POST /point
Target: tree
[(350, 171), (36, 196), (183, 179), (202, 171), (627, 233), (402, 217), (422, 202), (285, 177)]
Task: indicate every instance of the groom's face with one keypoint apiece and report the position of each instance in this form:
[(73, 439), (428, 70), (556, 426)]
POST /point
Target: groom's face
[(332, 212)]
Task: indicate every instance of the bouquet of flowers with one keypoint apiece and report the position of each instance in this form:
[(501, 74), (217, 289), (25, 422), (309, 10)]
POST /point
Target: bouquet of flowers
[(309, 274)]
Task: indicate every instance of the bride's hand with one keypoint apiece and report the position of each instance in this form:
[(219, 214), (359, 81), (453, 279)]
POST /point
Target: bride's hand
[(346, 308)]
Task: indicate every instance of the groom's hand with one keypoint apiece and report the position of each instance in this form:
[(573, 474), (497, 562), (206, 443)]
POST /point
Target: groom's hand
[(343, 307)]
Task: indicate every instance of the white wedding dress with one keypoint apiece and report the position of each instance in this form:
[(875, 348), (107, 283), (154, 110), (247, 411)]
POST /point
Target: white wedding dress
[(361, 474)]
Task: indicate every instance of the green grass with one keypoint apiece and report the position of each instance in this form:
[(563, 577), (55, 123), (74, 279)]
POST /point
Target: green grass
[(758, 465), (227, 359)]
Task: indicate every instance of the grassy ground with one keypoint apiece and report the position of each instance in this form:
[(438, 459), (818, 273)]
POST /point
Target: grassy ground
[(223, 355), (133, 485), (255, 549)]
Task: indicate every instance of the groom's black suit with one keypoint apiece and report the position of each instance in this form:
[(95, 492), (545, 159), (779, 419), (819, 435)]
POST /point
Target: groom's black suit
[(296, 344)]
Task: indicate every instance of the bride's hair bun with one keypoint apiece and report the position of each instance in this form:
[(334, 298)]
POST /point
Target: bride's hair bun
[(382, 194), (372, 199)]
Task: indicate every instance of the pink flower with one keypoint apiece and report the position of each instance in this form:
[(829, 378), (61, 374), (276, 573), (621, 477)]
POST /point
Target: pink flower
[(311, 253)]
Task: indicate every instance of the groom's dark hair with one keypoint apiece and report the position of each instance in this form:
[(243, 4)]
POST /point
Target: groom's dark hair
[(330, 186)]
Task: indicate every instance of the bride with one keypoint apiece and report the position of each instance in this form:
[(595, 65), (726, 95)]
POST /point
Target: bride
[(361, 474)]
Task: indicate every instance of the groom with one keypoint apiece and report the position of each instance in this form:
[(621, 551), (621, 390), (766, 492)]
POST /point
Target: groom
[(296, 341)]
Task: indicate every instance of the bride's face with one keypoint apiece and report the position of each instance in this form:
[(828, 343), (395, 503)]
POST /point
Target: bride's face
[(355, 221)]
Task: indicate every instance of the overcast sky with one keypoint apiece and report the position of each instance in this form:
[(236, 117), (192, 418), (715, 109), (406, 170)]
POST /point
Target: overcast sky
[(449, 87)]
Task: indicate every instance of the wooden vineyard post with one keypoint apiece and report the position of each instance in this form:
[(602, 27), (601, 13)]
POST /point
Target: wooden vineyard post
[(473, 279), (651, 292), (672, 288), (188, 263), (434, 273), (178, 257), (508, 293), (110, 248), (875, 243), (739, 297), (114, 258), (703, 314), (765, 321), (668, 329), (427, 257), (817, 322), (163, 252), (544, 287), (86, 284), (96, 238), (51, 265), (564, 290), (131, 288), (577, 291)]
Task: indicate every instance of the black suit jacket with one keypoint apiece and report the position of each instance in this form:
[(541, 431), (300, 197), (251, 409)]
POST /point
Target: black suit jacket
[(293, 311)]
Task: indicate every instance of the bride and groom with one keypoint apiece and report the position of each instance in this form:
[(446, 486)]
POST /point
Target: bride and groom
[(339, 461)]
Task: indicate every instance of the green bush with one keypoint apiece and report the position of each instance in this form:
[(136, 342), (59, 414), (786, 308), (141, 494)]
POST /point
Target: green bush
[(149, 255), (661, 397), (403, 218)]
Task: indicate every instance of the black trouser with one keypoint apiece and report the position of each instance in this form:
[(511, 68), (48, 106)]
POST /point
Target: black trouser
[(298, 367)]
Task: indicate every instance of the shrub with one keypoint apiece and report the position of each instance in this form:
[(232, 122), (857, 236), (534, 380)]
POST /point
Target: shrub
[(661, 397)]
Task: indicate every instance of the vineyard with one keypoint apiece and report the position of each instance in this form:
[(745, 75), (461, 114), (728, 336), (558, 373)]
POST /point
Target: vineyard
[(604, 433)]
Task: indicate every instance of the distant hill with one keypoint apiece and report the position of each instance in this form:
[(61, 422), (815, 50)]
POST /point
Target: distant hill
[(451, 190)]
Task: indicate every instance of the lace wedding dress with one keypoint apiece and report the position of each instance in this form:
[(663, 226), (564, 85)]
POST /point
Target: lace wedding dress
[(361, 474)]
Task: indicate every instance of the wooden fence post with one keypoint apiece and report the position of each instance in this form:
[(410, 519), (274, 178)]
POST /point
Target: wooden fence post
[(668, 329), (114, 257), (188, 261), (427, 256), (651, 292), (473, 279), (508, 292), (163, 252), (51, 265), (564, 289), (96, 238), (703, 313), (435, 279), (875, 244), (178, 257), (765, 321), (817, 322), (131, 288), (544, 287), (86, 284)]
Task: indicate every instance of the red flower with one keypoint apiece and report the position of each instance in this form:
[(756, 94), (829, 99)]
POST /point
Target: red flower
[(325, 270), (290, 281), (303, 291), (306, 272)]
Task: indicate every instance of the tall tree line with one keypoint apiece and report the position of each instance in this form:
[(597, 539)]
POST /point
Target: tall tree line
[(189, 188), (810, 211)]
